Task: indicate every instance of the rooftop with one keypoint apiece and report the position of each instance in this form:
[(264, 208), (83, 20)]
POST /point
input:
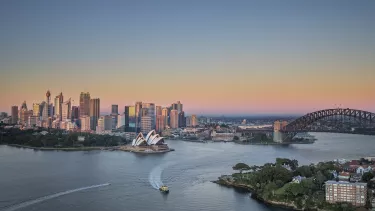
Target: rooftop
[(345, 182)]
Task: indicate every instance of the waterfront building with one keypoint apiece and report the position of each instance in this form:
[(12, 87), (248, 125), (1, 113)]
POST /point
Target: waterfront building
[(342, 191), (181, 119), (59, 99), (75, 112), (130, 119), (94, 112), (146, 124), (14, 115), (84, 104), (152, 138), (47, 107), (159, 123), (85, 123), (164, 113), (194, 120), (174, 119), (188, 121), (65, 111), (114, 110)]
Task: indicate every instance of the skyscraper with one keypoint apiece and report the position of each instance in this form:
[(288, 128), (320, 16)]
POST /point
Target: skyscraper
[(84, 104), (174, 119), (104, 123), (181, 119), (65, 111), (194, 120), (164, 113), (150, 112), (138, 114), (146, 123), (47, 107), (179, 107), (94, 112), (75, 112), (158, 110), (37, 110), (85, 123), (14, 114), (160, 123), (59, 99), (130, 119), (24, 114), (188, 121), (114, 109)]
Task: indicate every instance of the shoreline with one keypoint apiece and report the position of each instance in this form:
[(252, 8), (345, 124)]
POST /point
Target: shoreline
[(59, 149)]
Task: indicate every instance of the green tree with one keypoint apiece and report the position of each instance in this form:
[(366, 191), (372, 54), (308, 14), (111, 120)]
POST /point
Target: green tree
[(241, 167), (366, 177)]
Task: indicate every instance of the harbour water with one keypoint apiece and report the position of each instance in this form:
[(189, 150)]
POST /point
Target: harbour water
[(52, 180)]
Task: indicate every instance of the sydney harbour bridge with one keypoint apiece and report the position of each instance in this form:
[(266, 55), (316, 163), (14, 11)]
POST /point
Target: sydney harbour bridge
[(357, 118)]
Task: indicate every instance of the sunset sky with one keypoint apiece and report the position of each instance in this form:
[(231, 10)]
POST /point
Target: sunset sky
[(216, 57)]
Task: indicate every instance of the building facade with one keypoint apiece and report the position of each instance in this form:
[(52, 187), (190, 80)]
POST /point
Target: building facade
[(164, 113), (59, 99), (84, 104), (160, 123), (150, 112), (94, 112), (181, 119), (114, 109), (354, 193), (138, 115), (65, 111), (194, 120), (85, 123), (47, 107), (173, 119), (146, 124), (130, 119), (14, 115)]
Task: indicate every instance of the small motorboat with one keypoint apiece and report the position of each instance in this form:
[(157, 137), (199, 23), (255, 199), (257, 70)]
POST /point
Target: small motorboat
[(164, 189)]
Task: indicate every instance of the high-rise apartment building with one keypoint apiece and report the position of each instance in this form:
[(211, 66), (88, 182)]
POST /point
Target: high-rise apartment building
[(47, 107), (164, 113), (181, 119), (194, 120), (59, 99), (173, 118), (84, 104), (114, 109), (14, 114), (179, 107), (130, 119), (94, 112), (104, 123), (121, 120), (85, 123), (65, 111), (354, 193)]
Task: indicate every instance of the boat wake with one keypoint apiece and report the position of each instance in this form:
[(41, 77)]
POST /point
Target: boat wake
[(155, 175), (45, 198)]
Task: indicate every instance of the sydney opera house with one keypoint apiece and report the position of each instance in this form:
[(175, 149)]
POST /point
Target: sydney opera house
[(152, 139)]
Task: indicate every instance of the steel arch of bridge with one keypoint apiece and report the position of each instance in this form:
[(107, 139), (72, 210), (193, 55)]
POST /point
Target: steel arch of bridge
[(302, 122)]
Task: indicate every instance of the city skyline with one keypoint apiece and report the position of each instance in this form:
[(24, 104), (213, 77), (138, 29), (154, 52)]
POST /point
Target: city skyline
[(217, 57)]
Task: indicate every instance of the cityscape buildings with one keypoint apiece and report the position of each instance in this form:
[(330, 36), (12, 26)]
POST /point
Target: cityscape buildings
[(84, 104), (37, 109), (164, 113), (114, 109), (14, 114), (75, 112), (130, 119), (138, 110), (173, 119), (94, 112), (65, 111), (194, 120), (85, 123), (181, 119), (46, 107), (59, 99)]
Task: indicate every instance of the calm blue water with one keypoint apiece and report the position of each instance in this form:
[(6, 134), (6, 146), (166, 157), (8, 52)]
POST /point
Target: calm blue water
[(63, 179)]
